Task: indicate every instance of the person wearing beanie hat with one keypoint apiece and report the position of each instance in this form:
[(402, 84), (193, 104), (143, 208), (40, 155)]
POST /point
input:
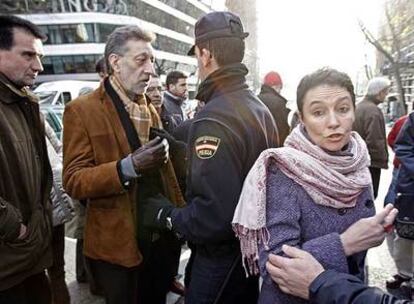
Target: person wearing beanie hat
[(225, 139), (273, 79), (370, 124), (276, 103)]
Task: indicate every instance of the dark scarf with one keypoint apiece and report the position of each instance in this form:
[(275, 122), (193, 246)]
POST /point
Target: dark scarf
[(153, 181), (224, 80)]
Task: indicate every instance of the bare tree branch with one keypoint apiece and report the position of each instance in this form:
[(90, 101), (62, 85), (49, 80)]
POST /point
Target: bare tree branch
[(370, 38)]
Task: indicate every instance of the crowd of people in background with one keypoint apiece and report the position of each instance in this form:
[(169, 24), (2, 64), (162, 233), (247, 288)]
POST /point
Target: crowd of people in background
[(250, 193)]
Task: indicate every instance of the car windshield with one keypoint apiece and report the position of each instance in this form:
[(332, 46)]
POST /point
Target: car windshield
[(46, 97)]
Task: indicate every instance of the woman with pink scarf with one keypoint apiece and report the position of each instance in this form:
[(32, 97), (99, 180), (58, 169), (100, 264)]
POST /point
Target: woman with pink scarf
[(309, 192)]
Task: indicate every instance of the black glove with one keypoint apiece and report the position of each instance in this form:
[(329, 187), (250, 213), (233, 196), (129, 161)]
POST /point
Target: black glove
[(155, 211), (175, 145)]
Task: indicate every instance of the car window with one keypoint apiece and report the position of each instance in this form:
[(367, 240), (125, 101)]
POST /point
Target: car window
[(66, 97), (46, 97), (54, 119)]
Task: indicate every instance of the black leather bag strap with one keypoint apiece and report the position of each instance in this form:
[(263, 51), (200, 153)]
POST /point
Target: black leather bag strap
[(126, 122)]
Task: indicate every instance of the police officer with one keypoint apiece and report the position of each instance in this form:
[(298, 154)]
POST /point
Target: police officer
[(225, 139)]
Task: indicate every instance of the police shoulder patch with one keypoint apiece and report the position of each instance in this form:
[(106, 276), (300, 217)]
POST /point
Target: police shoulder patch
[(206, 146)]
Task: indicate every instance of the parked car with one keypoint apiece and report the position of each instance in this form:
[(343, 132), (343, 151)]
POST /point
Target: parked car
[(53, 116), (59, 93)]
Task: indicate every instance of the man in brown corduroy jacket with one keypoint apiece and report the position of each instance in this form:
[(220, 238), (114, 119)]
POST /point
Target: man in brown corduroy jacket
[(111, 163)]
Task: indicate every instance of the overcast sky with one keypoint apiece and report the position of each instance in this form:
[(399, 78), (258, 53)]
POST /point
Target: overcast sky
[(299, 36)]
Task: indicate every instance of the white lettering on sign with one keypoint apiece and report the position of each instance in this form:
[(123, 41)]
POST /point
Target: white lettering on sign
[(103, 6)]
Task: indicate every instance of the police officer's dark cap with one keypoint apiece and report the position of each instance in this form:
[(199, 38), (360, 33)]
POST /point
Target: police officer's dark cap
[(217, 25)]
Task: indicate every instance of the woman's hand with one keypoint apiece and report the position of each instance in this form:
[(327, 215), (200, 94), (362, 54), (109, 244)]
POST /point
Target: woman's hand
[(368, 232)]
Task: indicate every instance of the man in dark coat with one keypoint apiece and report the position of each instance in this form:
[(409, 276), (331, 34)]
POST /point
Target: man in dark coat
[(225, 139), (270, 95), (404, 151), (370, 124), (174, 97), (25, 173)]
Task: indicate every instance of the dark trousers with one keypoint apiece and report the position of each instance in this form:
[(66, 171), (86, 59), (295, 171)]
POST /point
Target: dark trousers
[(375, 175), (33, 290), (220, 280), (56, 272), (160, 266), (81, 272), (170, 250), (118, 283), (148, 283)]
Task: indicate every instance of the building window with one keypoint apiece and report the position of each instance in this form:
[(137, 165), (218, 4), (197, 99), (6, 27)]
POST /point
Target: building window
[(69, 64), (171, 45), (98, 33), (163, 66), (185, 7), (69, 33), (105, 30), (163, 19)]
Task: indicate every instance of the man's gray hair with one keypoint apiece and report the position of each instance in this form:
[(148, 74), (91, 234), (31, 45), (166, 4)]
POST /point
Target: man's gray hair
[(376, 85), (120, 36)]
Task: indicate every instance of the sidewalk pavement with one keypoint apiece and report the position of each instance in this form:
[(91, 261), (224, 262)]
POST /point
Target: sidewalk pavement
[(80, 291)]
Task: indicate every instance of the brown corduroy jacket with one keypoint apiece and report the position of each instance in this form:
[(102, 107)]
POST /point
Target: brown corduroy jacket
[(93, 142)]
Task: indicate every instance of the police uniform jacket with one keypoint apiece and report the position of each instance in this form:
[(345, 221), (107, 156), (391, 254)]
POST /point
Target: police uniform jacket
[(225, 139), (342, 288)]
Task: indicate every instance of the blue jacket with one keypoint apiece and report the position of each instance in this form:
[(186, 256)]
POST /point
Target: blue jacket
[(404, 150), (225, 140), (172, 114), (332, 287)]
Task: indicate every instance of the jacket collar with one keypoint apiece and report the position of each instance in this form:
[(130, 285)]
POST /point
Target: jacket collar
[(11, 94), (178, 100), (372, 100), (265, 89), (226, 79)]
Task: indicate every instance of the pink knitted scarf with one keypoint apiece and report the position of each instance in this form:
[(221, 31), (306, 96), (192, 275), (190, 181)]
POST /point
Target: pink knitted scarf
[(330, 180)]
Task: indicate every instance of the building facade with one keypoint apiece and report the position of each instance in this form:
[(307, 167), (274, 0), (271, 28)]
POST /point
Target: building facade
[(396, 35), (77, 31), (247, 11)]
